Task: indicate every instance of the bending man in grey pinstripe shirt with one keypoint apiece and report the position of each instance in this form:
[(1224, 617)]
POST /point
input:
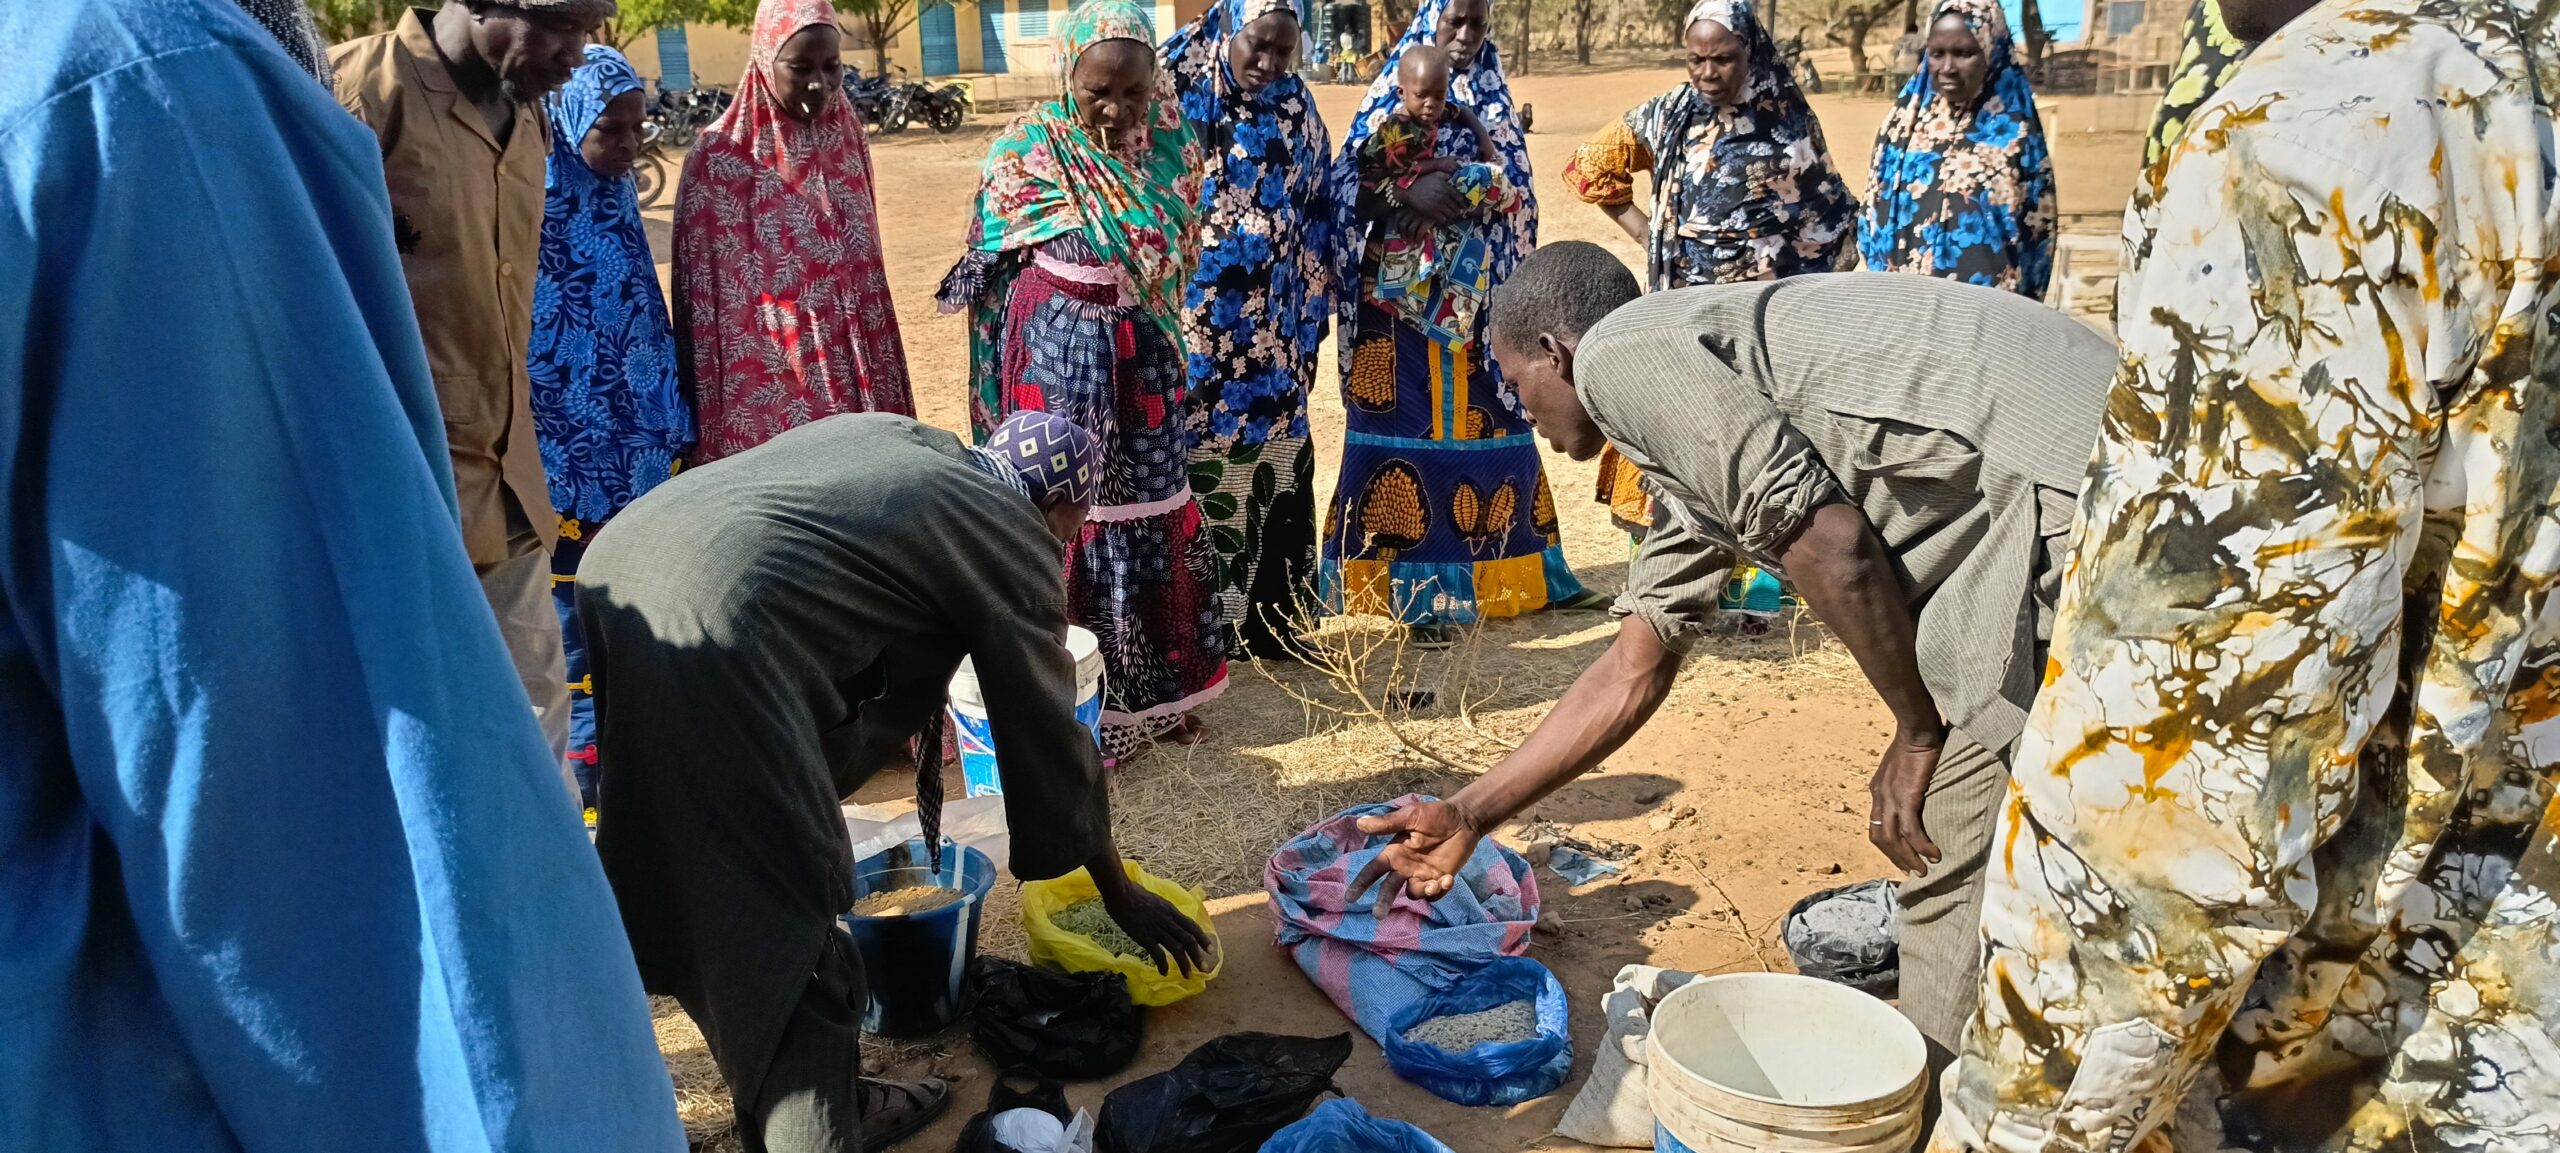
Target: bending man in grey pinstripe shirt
[(1907, 449)]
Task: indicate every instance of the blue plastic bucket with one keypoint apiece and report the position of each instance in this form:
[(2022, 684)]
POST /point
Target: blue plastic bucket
[(917, 965), (969, 713)]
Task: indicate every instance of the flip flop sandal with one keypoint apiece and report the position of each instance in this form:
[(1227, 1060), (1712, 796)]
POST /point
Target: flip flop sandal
[(921, 1102)]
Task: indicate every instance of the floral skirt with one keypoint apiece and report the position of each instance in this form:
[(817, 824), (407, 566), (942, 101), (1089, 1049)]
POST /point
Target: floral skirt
[(1260, 505)]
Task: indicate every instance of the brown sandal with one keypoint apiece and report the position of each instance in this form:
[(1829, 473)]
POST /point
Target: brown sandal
[(892, 1111)]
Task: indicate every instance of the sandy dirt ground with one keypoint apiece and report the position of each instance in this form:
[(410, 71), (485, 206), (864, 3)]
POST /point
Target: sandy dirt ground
[(1746, 793)]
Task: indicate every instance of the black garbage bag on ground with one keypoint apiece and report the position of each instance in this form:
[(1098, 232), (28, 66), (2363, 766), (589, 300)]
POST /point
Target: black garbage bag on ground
[(1012, 1091), (1071, 1026), (1851, 935), (1229, 1096)]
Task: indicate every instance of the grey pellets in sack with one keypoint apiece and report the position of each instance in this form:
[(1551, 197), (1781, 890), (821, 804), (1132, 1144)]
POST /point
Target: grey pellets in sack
[(1850, 935)]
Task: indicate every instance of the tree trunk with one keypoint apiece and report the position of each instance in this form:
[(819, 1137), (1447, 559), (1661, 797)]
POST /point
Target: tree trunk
[(2033, 18), (1520, 67), (1583, 12), (1850, 29), (880, 23)]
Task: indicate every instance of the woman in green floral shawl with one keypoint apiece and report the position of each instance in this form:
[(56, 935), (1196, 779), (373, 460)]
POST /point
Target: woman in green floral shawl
[(1082, 239)]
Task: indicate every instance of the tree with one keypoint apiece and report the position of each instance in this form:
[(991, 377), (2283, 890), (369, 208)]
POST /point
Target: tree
[(2037, 36), (1520, 67), (639, 17), (882, 20), (1676, 14), (343, 20), (1850, 28), (1584, 12)]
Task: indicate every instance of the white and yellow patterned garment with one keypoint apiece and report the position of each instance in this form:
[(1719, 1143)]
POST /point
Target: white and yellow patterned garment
[(2278, 866)]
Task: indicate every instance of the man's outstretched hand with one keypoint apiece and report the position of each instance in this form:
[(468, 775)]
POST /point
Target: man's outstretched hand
[(1433, 840)]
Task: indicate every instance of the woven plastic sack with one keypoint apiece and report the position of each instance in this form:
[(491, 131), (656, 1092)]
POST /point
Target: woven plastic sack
[(1613, 1107), (1342, 1126), (1851, 935), (1060, 949), (1379, 972), (1491, 1072)]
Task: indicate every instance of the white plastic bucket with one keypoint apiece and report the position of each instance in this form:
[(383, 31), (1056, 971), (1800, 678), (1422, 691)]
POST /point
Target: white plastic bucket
[(1780, 1063), (969, 712)]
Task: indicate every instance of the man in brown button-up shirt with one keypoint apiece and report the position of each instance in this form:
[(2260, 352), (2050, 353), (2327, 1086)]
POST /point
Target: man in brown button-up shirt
[(455, 95)]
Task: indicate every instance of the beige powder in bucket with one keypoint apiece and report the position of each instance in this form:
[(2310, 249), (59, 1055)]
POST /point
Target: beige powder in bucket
[(907, 901)]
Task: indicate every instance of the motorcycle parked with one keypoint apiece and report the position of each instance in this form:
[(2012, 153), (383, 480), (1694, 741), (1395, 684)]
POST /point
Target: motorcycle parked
[(943, 108), (649, 171), (1809, 77), (883, 104), (679, 115)]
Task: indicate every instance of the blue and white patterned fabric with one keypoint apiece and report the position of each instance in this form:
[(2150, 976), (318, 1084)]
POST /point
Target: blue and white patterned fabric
[(606, 404), (1965, 193)]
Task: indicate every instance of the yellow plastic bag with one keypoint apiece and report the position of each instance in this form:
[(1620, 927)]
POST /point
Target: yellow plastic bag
[(1060, 949)]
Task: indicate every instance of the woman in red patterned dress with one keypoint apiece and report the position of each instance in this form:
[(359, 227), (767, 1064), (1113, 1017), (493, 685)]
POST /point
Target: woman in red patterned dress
[(782, 303)]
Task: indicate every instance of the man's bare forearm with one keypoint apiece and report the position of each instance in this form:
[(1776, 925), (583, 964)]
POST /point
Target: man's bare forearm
[(1606, 705), (1840, 566)]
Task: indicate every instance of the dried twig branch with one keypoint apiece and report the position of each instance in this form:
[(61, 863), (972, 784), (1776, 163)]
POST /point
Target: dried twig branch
[(1741, 925), (1344, 658)]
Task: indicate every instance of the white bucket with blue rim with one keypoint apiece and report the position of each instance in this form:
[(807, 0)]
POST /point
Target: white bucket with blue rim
[(977, 741)]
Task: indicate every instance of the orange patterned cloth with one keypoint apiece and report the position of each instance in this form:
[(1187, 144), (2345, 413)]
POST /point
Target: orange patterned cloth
[(1630, 507), (1603, 169)]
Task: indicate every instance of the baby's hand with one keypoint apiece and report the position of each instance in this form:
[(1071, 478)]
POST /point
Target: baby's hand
[(1442, 165)]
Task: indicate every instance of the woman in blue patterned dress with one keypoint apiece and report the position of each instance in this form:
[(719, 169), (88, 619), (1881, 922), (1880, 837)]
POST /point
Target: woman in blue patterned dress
[(1963, 184), (1253, 318), (1443, 515), (606, 407)]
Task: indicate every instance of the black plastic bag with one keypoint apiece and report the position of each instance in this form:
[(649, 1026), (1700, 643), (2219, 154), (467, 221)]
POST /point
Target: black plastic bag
[(1071, 1026), (1851, 935), (1229, 1096), (1012, 1090)]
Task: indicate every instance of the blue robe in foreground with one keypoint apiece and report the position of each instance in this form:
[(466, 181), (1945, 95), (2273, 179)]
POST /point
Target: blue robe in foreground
[(282, 863)]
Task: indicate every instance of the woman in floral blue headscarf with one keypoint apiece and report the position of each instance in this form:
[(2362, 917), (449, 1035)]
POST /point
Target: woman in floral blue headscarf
[(1443, 515), (606, 407), (1963, 185), (1254, 316)]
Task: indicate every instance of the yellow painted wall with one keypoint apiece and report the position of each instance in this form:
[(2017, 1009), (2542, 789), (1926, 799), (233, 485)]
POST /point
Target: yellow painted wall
[(720, 54)]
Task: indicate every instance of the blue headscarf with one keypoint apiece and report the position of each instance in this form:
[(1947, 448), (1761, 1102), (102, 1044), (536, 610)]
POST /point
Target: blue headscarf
[(1965, 193), (1266, 236), (611, 417), (1479, 87)]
